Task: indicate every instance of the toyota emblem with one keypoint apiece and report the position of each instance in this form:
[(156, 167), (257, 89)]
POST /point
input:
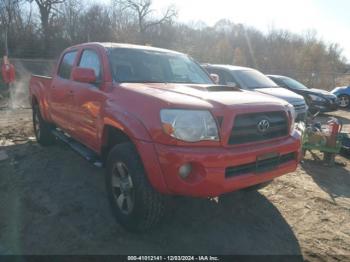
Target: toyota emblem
[(263, 126)]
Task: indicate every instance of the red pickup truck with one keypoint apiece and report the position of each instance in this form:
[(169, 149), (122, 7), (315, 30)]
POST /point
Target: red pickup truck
[(160, 126)]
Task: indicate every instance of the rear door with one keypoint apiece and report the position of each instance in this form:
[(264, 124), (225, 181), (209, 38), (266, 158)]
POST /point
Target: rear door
[(61, 93), (88, 99)]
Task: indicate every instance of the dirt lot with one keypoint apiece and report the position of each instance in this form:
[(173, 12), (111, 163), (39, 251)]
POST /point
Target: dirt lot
[(53, 202)]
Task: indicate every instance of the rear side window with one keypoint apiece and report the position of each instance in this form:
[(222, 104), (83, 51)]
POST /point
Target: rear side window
[(90, 59), (66, 65)]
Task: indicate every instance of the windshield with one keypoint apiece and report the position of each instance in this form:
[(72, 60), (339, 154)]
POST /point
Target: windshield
[(148, 66), (254, 79), (291, 83)]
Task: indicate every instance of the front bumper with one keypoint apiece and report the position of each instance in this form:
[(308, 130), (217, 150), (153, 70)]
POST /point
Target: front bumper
[(209, 166), (323, 107), (328, 105)]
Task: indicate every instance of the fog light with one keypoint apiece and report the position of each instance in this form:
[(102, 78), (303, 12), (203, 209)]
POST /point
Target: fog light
[(185, 170)]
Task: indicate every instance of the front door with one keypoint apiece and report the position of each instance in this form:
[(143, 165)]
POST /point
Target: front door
[(88, 100)]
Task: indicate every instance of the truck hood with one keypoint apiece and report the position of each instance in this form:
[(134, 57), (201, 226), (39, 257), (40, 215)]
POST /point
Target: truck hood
[(282, 93), (319, 92), (203, 95)]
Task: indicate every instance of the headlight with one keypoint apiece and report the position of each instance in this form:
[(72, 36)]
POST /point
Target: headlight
[(291, 115), (316, 98), (189, 125)]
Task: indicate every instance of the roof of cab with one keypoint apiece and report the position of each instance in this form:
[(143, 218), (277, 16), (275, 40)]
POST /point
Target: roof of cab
[(129, 46)]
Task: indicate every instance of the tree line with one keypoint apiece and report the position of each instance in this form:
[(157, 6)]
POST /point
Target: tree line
[(43, 28)]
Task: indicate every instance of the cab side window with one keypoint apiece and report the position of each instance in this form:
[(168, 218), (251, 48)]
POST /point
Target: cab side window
[(280, 82), (225, 77), (90, 59), (66, 65)]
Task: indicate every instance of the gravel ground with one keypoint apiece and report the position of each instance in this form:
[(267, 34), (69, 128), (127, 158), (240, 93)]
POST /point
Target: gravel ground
[(53, 202)]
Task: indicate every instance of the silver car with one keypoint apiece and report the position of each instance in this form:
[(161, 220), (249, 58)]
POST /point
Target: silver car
[(253, 80)]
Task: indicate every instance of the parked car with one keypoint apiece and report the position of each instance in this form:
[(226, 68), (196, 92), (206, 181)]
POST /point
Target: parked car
[(318, 100), (343, 94), (159, 125), (251, 79)]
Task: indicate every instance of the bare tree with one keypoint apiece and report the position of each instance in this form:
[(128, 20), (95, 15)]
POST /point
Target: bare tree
[(123, 25), (63, 23), (143, 12), (8, 11), (70, 14), (96, 24), (46, 8)]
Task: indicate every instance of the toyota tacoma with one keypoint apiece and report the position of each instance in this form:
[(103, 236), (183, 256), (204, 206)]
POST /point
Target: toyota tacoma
[(157, 123)]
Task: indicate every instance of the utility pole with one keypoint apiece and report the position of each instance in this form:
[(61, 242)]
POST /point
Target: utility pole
[(6, 44)]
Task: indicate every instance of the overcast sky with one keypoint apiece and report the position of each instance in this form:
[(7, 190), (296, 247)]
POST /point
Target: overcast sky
[(330, 18)]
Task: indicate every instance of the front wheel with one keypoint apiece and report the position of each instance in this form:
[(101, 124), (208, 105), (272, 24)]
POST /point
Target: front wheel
[(344, 101), (135, 204), (42, 129)]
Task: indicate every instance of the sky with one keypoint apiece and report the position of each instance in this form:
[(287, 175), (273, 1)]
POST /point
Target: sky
[(330, 18)]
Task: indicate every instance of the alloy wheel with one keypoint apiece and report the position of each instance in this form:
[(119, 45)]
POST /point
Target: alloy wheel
[(123, 188), (344, 101)]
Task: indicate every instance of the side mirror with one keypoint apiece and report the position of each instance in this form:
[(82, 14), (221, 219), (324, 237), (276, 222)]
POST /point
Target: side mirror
[(84, 75), (215, 78)]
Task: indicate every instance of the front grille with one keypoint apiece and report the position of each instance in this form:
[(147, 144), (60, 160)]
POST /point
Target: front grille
[(245, 127), (260, 166)]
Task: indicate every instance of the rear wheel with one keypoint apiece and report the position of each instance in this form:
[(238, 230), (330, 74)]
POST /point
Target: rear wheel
[(134, 202), (42, 129), (344, 101)]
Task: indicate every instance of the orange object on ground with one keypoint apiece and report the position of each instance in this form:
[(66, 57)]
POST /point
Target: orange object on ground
[(335, 128)]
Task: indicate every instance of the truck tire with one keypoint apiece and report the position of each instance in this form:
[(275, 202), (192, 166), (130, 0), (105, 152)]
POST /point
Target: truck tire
[(42, 129), (134, 203)]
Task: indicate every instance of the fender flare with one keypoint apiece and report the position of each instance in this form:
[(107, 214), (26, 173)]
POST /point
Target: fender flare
[(38, 95), (133, 127), (127, 123)]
